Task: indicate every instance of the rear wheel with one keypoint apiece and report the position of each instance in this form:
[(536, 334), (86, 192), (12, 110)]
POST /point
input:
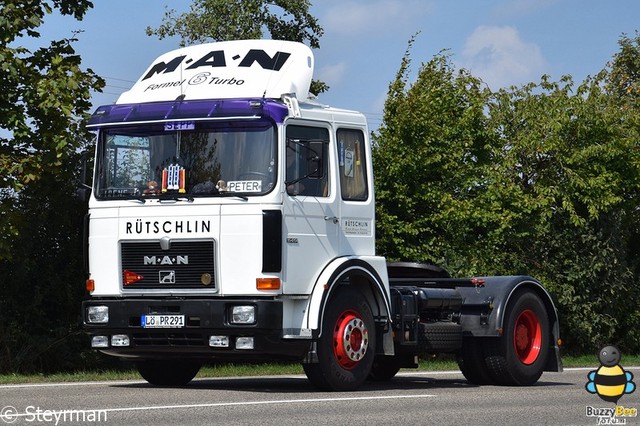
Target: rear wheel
[(518, 357), (347, 345), (168, 372), (471, 362)]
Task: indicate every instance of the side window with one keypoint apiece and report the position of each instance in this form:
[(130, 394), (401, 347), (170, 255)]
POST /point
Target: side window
[(307, 161), (352, 165)]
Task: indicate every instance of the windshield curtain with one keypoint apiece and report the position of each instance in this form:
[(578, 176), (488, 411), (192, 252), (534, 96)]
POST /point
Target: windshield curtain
[(191, 158)]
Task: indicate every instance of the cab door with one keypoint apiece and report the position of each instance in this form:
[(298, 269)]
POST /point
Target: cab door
[(357, 209), (311, 206)]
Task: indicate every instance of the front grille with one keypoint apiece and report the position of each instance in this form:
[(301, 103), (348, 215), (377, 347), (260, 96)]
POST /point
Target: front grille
[(168, 339), (185, 264)]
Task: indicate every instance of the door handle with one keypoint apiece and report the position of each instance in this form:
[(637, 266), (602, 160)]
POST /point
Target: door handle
[(332, 219)]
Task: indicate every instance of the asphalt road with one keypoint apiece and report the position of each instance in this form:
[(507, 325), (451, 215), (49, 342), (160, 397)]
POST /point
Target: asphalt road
[(442, 398)]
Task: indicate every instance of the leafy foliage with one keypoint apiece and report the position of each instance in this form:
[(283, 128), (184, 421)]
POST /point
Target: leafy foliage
[(542, 179), (624, 77), (577, 168), (42, 283), (241, 19), (46, 94), (218, 20)]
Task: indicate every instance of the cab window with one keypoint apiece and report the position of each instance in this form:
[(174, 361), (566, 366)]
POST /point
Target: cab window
[(352, 165), (307, 161)]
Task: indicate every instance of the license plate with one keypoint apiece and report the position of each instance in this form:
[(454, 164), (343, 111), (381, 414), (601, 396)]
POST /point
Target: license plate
[(162, 321)]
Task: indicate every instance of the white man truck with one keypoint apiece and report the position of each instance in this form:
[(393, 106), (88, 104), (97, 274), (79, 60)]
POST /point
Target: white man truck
[(231, 218)]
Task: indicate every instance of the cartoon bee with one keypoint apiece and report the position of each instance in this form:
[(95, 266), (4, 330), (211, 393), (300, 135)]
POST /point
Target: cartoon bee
[(610, 381)]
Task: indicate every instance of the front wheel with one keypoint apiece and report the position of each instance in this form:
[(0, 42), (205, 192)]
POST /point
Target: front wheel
[(347, 345), (519, 356), (168, 372)]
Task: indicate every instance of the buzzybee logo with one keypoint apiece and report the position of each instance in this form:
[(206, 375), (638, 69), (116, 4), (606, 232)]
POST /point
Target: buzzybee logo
[(610, 382)]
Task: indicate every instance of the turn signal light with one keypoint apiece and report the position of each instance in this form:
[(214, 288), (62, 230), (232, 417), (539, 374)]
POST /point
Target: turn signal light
[(90, 285), (268, 283)]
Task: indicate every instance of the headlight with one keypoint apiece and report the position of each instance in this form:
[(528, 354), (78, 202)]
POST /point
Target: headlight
[(244, 343), (219, 341), (100, 342), (243, 315), (120, 340), (98, 314)]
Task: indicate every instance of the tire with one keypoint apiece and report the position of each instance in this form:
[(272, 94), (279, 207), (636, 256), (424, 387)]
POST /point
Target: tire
[(384, 368), (471, 362), (439, 337), (346, 347), (168, 372), (519, 356)]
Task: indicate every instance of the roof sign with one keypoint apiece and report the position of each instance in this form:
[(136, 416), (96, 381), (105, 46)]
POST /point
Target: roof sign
[(224, 70)]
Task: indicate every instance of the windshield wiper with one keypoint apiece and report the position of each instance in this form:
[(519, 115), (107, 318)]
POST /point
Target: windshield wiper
[(174, 197), (138, 198), (215, 192), (232, 194)]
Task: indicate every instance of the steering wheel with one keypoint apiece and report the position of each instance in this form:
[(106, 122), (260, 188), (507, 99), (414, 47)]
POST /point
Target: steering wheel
[(261, 175)]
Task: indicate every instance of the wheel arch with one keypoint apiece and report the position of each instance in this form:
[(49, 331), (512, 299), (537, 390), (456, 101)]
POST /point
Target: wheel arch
[(554, 362), (366, 273), (500, 292)]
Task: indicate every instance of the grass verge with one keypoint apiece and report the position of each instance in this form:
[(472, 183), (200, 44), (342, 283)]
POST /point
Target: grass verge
[(240, 370)]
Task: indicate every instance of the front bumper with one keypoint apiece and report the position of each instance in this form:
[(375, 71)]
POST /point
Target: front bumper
[(203, 318)]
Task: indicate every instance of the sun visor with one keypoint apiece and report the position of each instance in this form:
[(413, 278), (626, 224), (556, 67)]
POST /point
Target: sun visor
[(224, 70)]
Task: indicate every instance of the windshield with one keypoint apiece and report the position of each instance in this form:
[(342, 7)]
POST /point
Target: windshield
[(190, 158)]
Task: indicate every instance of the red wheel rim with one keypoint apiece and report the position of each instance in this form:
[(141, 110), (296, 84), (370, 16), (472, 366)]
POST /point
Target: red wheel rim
[(527, 337), (350, 339)]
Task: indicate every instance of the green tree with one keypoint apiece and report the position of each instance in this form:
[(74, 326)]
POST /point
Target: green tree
[(45, 94), (42, 282), (218, 20), (542, 179), (622, 85), (429, 157), (573, 173), (623, 80)]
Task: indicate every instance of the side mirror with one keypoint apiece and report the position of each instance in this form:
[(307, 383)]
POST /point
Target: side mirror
[(83, 192), (315, 159)]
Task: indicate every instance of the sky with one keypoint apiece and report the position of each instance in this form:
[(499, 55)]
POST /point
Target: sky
[(503, 42)]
